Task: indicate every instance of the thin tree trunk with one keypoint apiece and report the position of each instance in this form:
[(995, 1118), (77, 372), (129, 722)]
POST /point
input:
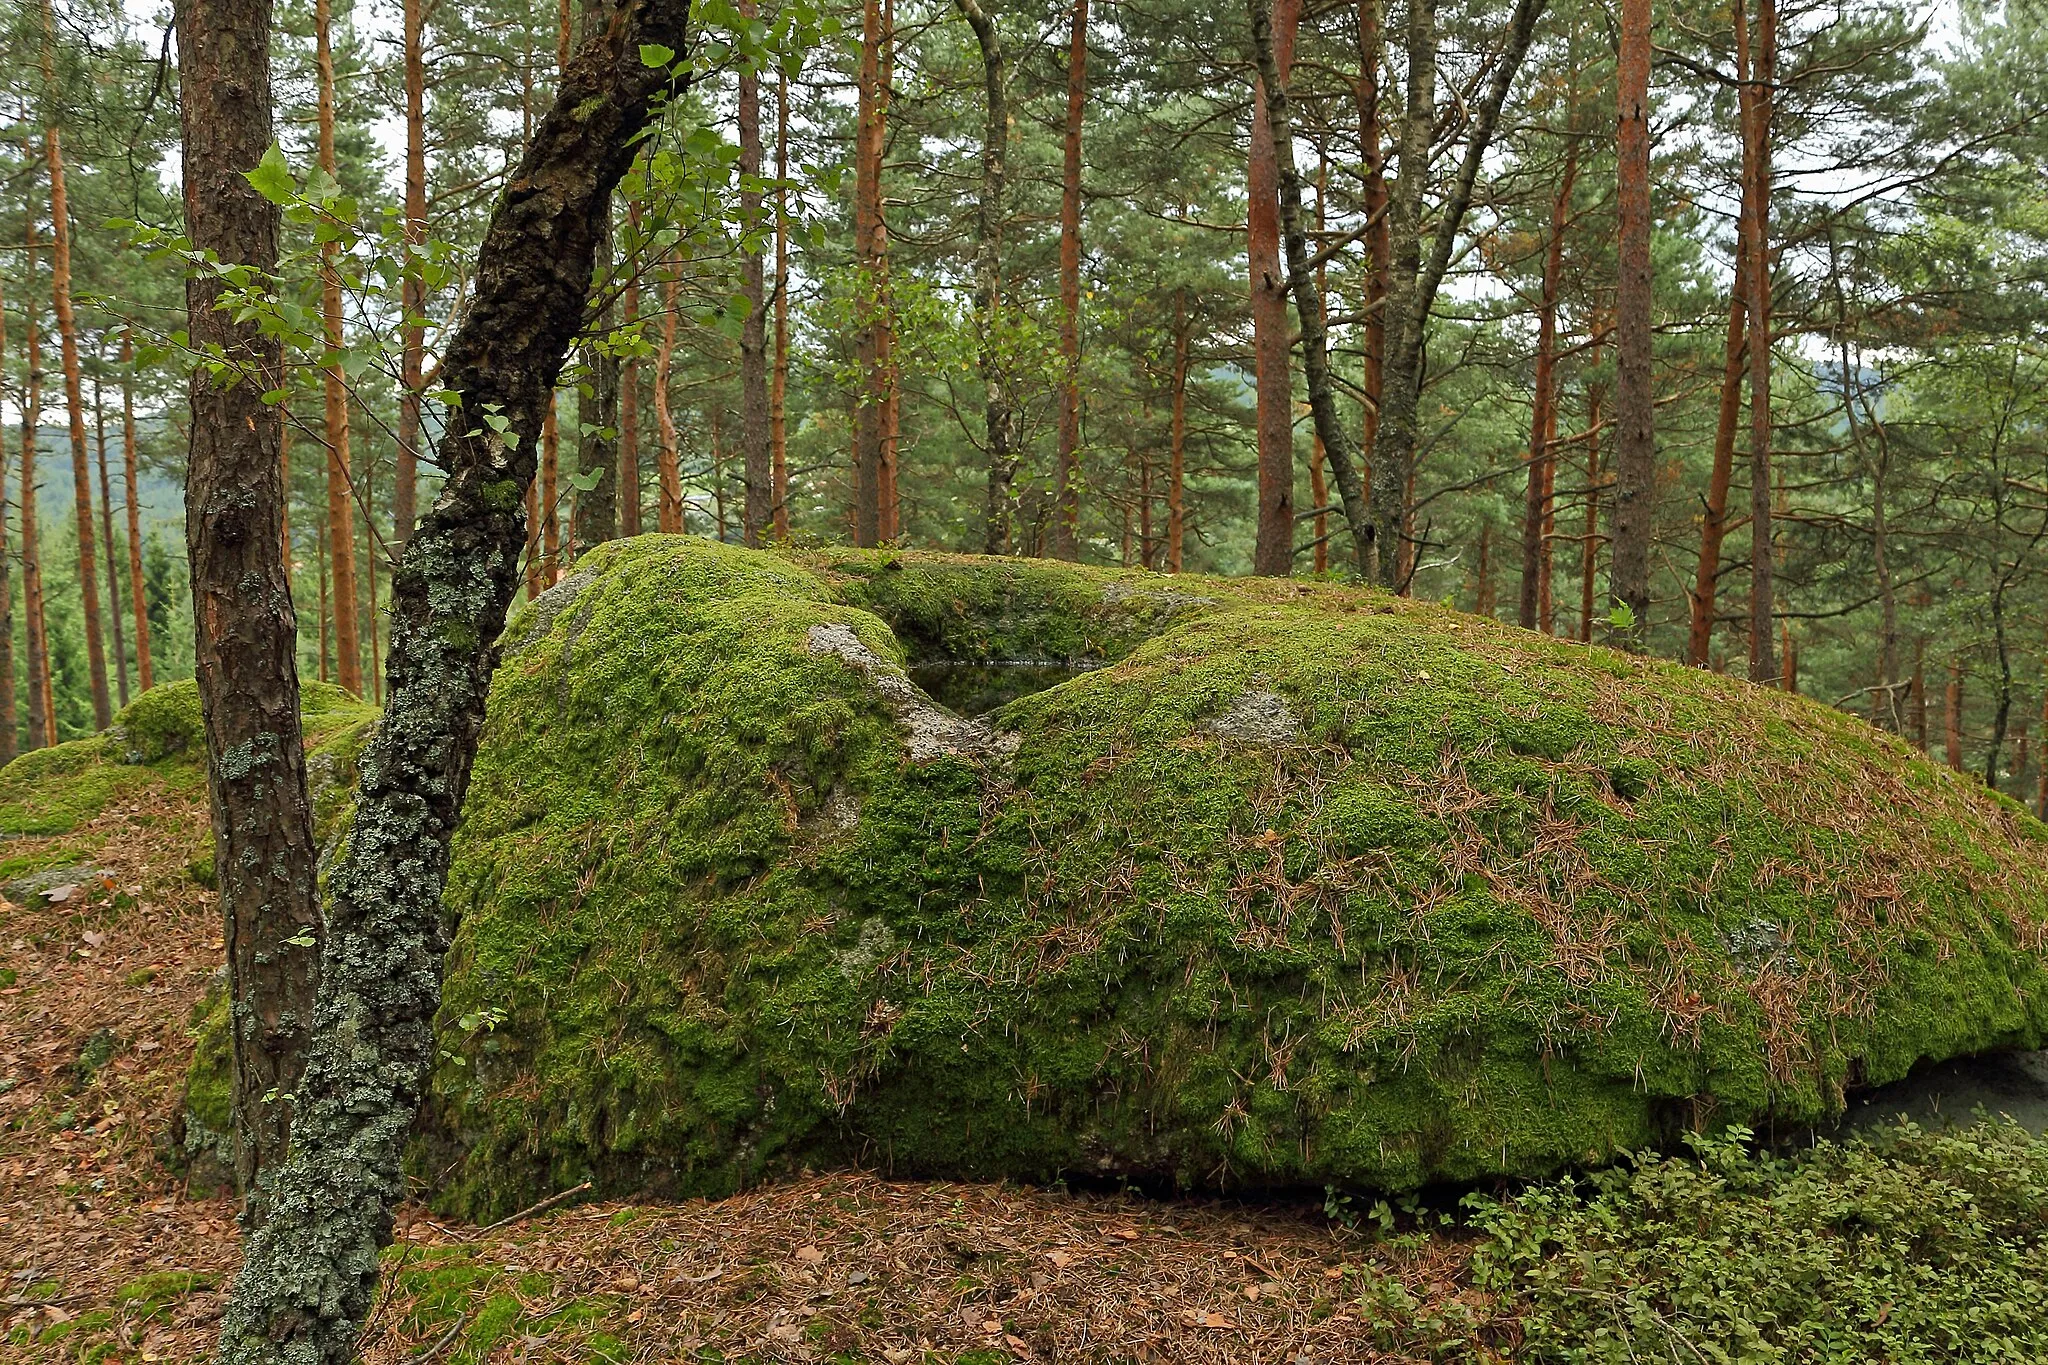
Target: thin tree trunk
[(1273, 550), (1308, 302), (2041, 790), (42, 712), (310, 1271), (550, 494), (1756, 187), (1176, 474), (532, 560), (10, 717), (1635, 463), (998, 412), (1589, 548), (320, 557), (1714, 519), (145, 672), (1067, 475), (341, 522), (870, 261), (1543, 417), (629, 395), (247, 636), (99, 436), (888, 509), (1482, 597), (1414, 281), (1952, 715), (1918, 692), (778, 388), (757, 447), (1379, 249), (669, 516), (413, 291), (74, 393)]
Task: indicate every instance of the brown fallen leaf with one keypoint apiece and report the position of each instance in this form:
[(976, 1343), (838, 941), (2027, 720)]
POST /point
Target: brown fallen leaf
[(810, 1255)]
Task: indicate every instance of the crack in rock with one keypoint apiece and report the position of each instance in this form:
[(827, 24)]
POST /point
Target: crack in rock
[(935, 732)]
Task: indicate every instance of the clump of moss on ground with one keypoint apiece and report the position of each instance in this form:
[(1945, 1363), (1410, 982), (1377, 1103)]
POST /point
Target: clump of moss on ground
[(157, 743), (1300, 885)]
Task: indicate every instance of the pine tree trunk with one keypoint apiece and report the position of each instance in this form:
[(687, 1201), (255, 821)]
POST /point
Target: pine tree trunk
[(99, 437), (532, 558), (1543, 417), (42, 713), (1176, 473), (341, 521), (10, 716), (412, 292), (757, 450), (1067, 474), (74, 394), (778, 388), (1308, 300), (247, 636), (1918, 692), (1273, 550), (1952, 716), (998, 411), (888, 509), (310, 1271), (1379, 258), (629, 396), (669, 516), (870, 261), (1714, 519), (550, 496), (1589, 548), (145, 672), (1756, 193), (1635, 461)]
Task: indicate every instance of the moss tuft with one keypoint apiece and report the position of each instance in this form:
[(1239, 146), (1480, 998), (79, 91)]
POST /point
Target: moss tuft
[(1284, 883)]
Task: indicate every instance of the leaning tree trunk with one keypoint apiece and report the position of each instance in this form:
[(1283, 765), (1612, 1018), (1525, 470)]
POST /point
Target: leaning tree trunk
[(1308, 301), (9, 718), (247, 636), (1714, 518), (310, 1271), (1635, 465), (42, 713), (1543, 418)]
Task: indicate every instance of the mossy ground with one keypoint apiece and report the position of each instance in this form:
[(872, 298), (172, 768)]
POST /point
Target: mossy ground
[(1300, 885)]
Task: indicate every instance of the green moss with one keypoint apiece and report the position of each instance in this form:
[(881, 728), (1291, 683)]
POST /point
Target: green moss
[(1298, 885), (151, 1294)]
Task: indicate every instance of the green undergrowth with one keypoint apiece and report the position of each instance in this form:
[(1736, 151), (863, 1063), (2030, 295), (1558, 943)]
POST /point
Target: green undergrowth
[(1299, 884), (1911, 1248), (156, 744)]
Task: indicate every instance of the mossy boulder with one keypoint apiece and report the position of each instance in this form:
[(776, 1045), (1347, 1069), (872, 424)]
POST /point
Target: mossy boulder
[(1283, 883)]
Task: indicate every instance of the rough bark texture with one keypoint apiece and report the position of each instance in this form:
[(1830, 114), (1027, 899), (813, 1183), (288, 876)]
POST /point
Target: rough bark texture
[(145, 673), (1176, 470), (412, 293), (341, 517), (669, 516), (10, 717), (1756, 196), (871, 261), (1589, 547), (1952, 716), (247, 631), (1308, 301), (1714, 517), (550, 497), (310, 1271), (74, 392), (1378, 243), (1543, 418), (629, 395), (778, 388), (1414, 282), (99, 440), (1067, 472), (1635, 465), (757, 453), (1273, 549), (42, 712), (999, 414)]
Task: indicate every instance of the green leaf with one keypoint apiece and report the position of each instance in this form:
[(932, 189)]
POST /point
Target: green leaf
[(654, 54), (272, 178)]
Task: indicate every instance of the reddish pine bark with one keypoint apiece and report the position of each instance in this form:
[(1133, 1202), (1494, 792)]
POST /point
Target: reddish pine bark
[(757, 456), (10, 718), (412, 292), (1534, 603), (669, 515), (341, 518), (1634, 436), (1273, 550), (778, 388), (870, 252), (1176, 472), (1066, 524), (1714, 520), (42, 707), (145, 673)]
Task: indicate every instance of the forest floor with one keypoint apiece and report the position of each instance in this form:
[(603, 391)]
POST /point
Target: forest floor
[(108, 1255)]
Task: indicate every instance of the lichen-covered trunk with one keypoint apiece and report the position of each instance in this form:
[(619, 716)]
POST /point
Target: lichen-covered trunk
[(145, 673), (1273, 545), (1308, 299), (1543, 417), (1714, 517), (311, 1269), (757, 456), (999, 416), (1067, 470), (246, 629)]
